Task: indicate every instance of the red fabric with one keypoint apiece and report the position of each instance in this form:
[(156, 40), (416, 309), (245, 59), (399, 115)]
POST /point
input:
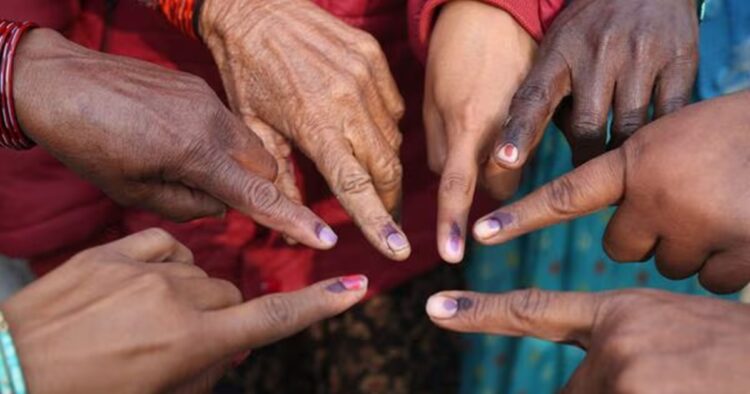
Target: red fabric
[(533, 15), (47, 212)]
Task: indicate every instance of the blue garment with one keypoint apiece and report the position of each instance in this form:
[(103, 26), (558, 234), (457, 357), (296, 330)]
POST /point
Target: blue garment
[(569, 256)]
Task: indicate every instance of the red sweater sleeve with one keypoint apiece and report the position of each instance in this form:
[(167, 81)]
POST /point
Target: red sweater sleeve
[(533, 15)]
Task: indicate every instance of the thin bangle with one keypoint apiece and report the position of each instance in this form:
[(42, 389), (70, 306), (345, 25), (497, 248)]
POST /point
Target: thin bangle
[(10, 359), (702, 10), (11, 135)]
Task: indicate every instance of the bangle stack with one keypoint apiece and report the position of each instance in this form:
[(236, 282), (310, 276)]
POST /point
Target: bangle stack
[(11, 135), (183, 14), (11, 374)]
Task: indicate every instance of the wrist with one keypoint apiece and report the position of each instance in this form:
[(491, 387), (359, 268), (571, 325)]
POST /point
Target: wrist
[(214, 19)]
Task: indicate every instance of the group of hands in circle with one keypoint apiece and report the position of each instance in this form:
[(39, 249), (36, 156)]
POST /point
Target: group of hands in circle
[(137, 315)]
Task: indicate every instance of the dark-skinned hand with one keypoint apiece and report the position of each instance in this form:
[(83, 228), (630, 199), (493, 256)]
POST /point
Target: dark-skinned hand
[(324, 87), (682, 187), (136, 316), (599, 55), (150, 137), (637, 341)]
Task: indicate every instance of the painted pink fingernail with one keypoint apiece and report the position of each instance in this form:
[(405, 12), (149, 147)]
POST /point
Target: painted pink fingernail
[(508, 153), (348, 283), (326, 234)]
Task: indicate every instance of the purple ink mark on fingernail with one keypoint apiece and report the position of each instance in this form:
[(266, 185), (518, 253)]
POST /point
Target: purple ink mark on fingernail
[(501, 219), (464, 303), (450, 304), (336, 287), (454, 238), (325, 234), (395, 240)]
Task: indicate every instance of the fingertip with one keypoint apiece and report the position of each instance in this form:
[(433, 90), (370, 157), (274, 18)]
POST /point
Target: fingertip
[(326, 235), (441, 307), (451, 246), (397, 243)]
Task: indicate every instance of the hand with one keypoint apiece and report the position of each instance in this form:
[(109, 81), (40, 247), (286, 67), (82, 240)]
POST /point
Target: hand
[(627, 53), (136, 316), (637, 341), (326, 88), (682, 195), (150, 137), (464, 102)]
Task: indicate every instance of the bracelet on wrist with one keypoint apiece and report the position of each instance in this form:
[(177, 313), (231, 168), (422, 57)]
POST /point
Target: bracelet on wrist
[(11, 374), (182, 14), (11, 135)]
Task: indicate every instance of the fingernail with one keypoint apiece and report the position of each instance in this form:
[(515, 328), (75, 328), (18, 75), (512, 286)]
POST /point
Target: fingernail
[(441, 307), (492, 225), (395, 240), (508, 153), (454, 243), (348, 283), (326, 235)]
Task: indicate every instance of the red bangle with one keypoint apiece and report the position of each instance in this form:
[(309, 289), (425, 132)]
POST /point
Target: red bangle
[(11, 135), (180, 14)]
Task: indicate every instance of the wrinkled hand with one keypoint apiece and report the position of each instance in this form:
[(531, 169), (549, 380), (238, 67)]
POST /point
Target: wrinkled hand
[(150, 137), (601, 53), (326, 88), (465, 101), (637, 341), (136, 316), (682, 195)]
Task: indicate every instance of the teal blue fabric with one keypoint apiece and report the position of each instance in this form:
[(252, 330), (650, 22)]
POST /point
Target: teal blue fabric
[(569, 256)]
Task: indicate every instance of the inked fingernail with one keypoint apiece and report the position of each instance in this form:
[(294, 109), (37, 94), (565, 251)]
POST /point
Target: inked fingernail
[(395, 240), (441, 307), (455, 243), (348, 283), (492, 225), (326, 234), (507, 153)]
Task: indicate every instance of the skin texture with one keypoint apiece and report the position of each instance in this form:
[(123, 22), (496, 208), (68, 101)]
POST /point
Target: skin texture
[(136, 316), (150, 137), (682, 195), (600, 55), (637, 341), (323, 87), (462, 109)]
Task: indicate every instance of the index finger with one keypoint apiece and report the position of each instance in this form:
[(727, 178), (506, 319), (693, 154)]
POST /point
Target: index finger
[(532, 108), (552, 316), (354, 188), (593, 186), (268, 319)]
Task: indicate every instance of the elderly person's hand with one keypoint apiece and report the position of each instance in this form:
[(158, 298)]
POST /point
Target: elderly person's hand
[(136, 316), (624, 54), (682, 194), (326, 88), (150, 137), (637, 341), (465, 101)]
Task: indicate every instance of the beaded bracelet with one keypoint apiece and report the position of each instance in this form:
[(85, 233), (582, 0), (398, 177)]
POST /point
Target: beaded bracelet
[(11, 374), (183, 14), (11, 135)]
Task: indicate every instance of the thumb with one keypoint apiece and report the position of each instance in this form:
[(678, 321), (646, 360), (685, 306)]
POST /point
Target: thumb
[(455, 195), (552, 316), (593, 186), (268, 319)]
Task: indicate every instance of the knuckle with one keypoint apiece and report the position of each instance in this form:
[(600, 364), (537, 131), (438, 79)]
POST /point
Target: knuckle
[(155, 282), (526, 306), (672, 104), (369, 46), (359, 69), (352, 182), (587, 126), (454, 183), (628, 122), (262, 195), (157, 235), (279, 311), (531, 93), (562, 196), (470, 117), (392, 175)]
